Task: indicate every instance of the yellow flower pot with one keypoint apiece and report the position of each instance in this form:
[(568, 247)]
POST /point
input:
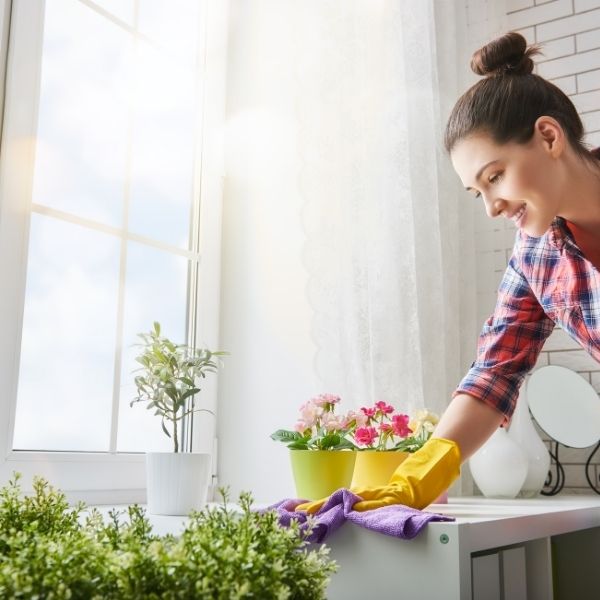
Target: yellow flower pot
[(374, 469), (319, 473)]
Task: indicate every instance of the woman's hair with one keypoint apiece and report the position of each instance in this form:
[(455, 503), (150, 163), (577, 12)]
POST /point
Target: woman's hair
[(510, 98)]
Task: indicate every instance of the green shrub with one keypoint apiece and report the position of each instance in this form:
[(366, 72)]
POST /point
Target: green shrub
[(49, 550)]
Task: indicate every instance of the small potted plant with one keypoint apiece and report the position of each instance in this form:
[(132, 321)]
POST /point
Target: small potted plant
[(177, 482), (321, 451), (384, 439)]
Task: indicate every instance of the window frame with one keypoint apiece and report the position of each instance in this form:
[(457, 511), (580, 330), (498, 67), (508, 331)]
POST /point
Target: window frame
[(98, 477)]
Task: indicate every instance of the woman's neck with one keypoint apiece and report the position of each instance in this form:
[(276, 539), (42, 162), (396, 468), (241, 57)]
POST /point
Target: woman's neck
[(582, 194)]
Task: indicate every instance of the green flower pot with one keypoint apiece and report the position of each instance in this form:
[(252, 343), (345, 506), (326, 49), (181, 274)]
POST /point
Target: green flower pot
[(319, 473)]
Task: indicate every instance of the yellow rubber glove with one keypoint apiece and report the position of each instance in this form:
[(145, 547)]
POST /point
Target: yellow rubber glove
[(417, 482)]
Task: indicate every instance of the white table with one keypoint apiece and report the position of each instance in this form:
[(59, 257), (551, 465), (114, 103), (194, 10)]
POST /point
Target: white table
[(495, 550)]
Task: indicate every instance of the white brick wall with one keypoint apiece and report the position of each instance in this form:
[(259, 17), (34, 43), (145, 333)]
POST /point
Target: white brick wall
[(569, 31)]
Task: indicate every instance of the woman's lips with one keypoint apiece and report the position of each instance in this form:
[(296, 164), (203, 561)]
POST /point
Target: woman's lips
[(519, 216)]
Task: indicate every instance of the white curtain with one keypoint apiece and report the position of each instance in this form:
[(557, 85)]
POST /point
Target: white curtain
[(376, 80)]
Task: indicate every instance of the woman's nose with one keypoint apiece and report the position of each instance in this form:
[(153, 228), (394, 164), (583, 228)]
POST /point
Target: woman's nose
[(493, 206)]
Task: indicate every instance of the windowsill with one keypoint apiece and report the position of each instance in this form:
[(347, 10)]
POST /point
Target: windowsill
[(161, 524)]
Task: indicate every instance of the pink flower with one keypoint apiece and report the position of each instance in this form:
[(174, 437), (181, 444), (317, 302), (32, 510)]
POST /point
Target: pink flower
[(384, 408), (365, 436), (333, 422), (385, 428), (400, 425), (370, 412), (309, 413), (301, 427), (358, 417), (323, 399)]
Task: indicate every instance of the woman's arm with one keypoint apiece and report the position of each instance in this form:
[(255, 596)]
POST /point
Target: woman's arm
[(469, 422)]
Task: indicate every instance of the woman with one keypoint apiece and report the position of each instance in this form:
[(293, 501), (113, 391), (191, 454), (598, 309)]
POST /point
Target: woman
[(515, 141)]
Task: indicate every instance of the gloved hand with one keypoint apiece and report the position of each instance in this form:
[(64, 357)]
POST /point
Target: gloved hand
[(417, 482)]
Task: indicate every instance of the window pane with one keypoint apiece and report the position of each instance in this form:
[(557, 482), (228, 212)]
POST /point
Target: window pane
[(162, 149), (156, 283), (83, 113), (174, 25), (118, 120), (67, 351), (121, 9)]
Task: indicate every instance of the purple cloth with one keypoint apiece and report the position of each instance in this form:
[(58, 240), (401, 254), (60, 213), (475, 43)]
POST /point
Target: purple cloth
[(396, 520)]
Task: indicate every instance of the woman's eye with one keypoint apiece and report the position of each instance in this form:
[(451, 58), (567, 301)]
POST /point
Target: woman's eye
[(477, 194), (495, 178)]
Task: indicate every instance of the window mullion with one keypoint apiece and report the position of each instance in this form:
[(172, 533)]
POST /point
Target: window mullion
[(116, 399)]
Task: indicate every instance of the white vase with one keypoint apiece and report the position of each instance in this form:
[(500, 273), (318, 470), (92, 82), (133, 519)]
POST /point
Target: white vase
[(177, 482), (523, 432), (499, 467)]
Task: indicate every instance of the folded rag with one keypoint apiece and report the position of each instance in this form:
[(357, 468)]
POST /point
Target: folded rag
[(396, 520)]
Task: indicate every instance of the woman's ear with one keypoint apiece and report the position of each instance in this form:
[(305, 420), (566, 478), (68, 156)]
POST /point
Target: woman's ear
[(550, 134)]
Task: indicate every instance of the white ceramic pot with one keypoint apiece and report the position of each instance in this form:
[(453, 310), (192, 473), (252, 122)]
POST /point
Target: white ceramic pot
[(523, 432), (177, 482), (499, 467)]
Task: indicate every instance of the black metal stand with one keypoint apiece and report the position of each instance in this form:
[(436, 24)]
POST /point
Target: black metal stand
[(587, 469), (558, 484), (556, 481)]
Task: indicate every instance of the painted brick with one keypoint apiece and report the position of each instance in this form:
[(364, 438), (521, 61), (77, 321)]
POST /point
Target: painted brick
[(589, 80), (576, 455), (596, 381), (542, 361), (593, 139), (528, 33), (557, 49), (570, 65), (485, 265), (587, 101), (591, 121), (587, 40), (559, 340), (582, 5), (500, 261), (575, 475), (513, 5), (568, 26), (576, 360), (566, 84), (476, 12), (539, 14), (482, 221)]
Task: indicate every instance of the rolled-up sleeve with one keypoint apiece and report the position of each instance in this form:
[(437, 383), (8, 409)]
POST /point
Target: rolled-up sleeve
[(509, 344)]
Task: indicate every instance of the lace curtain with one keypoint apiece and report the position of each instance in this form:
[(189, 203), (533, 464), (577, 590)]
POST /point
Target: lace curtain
[(380, 213)]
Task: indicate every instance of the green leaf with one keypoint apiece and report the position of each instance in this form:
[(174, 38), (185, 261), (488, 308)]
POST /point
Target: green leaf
[(344, 444), (330, 440), (284, 435), (298, 445), (165, 429)]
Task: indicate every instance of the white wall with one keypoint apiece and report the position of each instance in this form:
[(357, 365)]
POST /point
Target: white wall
[(570, 34)]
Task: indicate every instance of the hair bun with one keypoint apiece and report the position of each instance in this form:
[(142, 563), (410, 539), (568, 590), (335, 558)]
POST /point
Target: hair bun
[(506, 55)]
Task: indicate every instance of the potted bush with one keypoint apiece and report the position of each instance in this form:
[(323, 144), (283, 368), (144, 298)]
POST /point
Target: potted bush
[(177, 482), (49, 549)]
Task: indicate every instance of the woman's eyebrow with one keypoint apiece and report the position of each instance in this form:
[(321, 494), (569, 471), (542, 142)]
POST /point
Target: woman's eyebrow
[(478, 175)]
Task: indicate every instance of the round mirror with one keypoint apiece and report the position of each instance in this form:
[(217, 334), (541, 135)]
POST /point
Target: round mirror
[(565, 406)]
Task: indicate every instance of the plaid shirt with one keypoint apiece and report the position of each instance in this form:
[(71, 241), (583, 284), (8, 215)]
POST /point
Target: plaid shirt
[(548, 281)]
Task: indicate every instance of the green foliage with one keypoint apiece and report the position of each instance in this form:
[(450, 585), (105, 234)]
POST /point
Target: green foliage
[(170, 376), (49, 550), (313, 440), (414, 442)]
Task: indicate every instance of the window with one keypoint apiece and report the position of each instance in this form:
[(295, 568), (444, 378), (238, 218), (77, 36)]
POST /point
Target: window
[(110, 184)]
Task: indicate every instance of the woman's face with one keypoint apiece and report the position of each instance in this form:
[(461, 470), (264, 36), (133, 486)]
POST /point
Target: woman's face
[(518, 181)]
